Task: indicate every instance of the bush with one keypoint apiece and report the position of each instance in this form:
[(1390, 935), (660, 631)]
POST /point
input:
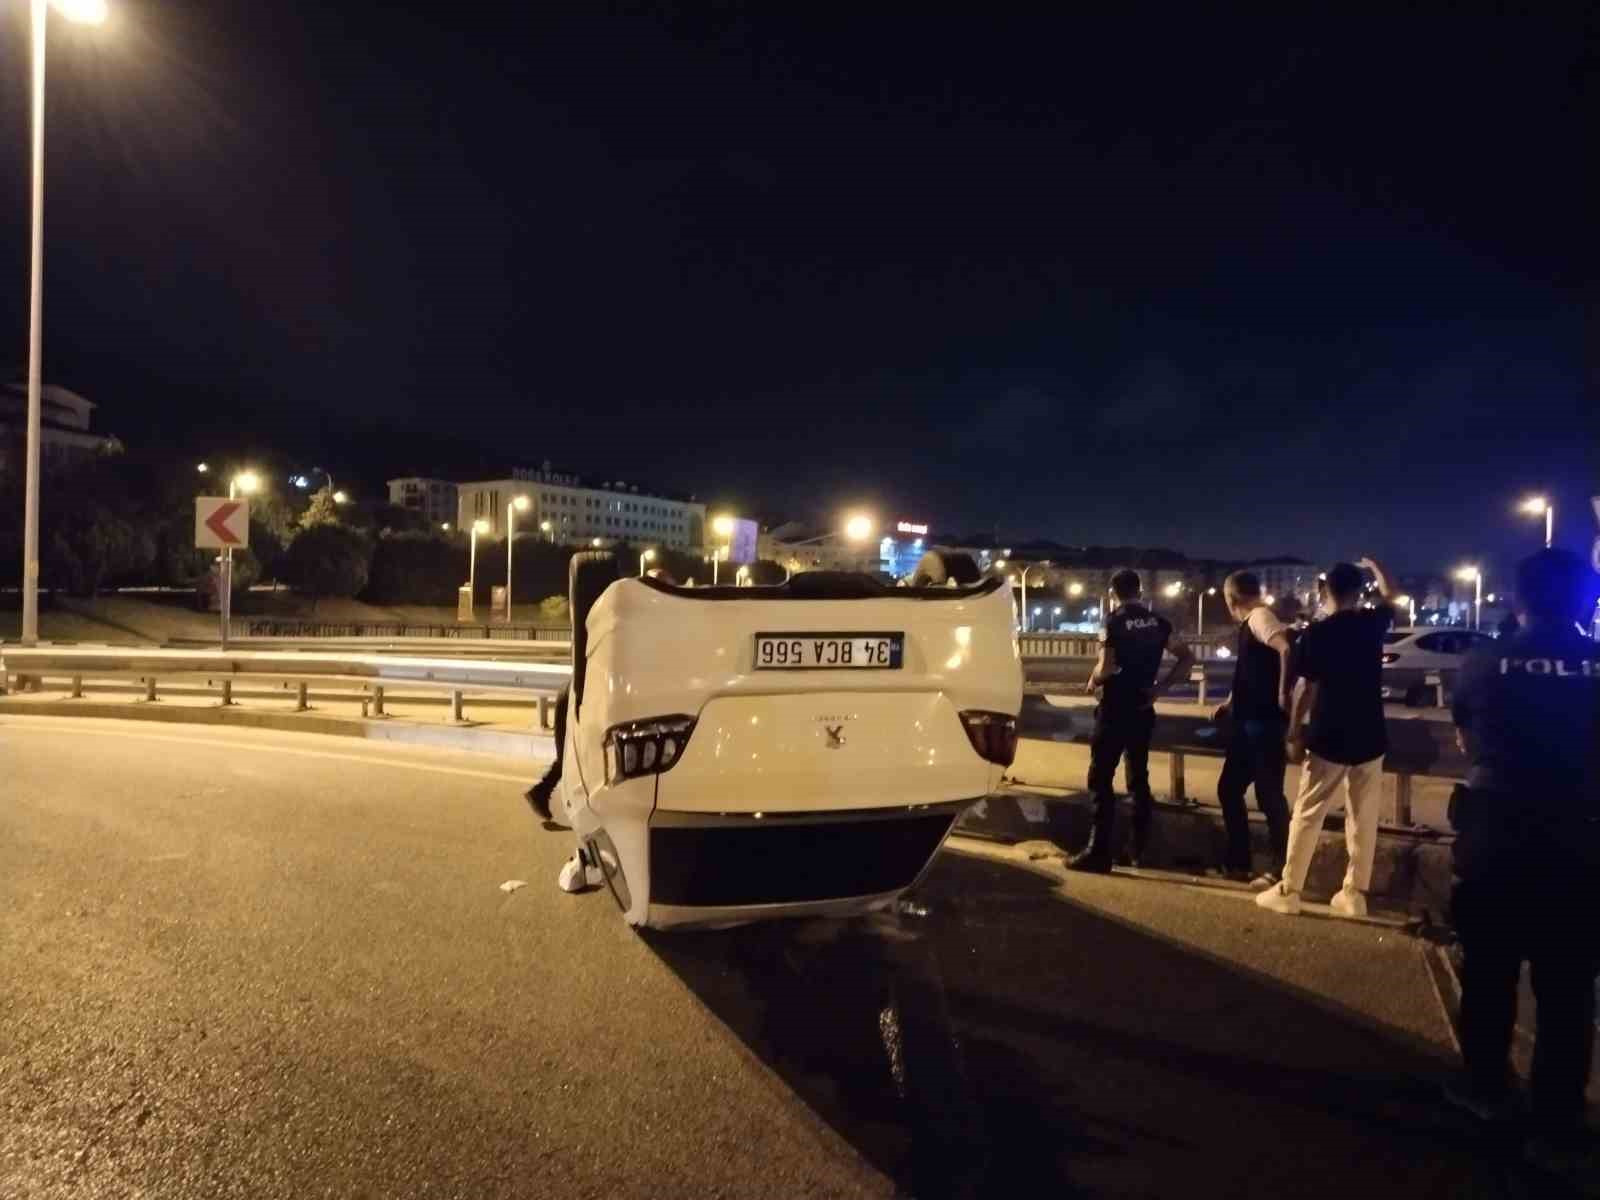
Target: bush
[(554, 610), (417, 568), (328, 560)]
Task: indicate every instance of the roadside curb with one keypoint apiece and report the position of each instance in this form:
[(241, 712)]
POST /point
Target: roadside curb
[(1411, 873), (504, 742)]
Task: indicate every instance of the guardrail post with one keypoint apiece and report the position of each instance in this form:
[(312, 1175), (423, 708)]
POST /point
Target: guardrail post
[(227, 693), (544, 712), (1199, 675), (1402, 798), (455, 707), (1440, 699), (77, 687), (377, 702), (1175, 757), (300, 704), (150, 690)]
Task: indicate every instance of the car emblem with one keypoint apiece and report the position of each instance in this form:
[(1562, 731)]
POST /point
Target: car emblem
[(835, 736)]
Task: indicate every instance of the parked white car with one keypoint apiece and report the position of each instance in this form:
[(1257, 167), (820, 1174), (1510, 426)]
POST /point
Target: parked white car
[(741, 753), (1411, 655)]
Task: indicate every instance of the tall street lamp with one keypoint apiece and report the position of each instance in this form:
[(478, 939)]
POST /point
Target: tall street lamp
[(1200, 610), (520, 504), (858, 528), (1474, 576), (248, 483), (1537, 505), (1026, 625), (649, 556), (87, 12), (548, 530), (723, 527), (1411, 607), (478, 526)]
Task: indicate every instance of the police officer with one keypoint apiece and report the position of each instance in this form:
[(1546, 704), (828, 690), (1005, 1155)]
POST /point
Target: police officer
[(1527, 851), (1131, 644)]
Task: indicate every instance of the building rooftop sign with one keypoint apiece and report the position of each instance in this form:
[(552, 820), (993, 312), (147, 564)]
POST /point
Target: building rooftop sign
[(909, 527)]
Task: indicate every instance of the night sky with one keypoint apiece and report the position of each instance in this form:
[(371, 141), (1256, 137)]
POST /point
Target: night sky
[(1317, 282)]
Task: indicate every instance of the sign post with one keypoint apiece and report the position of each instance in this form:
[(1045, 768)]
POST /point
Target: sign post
[(221, 523)]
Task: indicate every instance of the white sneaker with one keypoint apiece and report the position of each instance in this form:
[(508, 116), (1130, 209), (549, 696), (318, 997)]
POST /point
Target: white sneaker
[(1349, 904), (577, 877), (1279, 900)]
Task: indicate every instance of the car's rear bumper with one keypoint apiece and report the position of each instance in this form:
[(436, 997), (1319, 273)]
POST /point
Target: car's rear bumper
[(728, 869)]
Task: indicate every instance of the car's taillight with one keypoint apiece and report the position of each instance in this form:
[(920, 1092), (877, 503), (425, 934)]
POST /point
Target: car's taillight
[(993, 735), (1390, 658), (650, 747)]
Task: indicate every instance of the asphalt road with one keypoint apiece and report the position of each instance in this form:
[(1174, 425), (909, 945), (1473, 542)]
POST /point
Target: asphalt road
[(240, 963)]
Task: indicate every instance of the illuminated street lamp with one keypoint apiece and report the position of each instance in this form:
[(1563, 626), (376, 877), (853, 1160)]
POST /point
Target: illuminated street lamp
[(548, 530), (87, 12), (1411, 607), (478, 526), (1474, 576), (722, 526), (246, 483), (1173, 590), (203, 468), (859, 528), (341, 498), (520, 504), (1074, 589), (1540, 506), (1035, 567), (648, 556), (1200, 610)]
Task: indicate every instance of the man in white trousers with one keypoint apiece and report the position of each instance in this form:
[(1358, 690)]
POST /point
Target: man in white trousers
[(1340, 662)]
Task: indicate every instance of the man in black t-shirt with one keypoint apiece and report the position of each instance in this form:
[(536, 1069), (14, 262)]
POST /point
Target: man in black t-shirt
[(1131, 645), (1527, 850), (1340, 661)]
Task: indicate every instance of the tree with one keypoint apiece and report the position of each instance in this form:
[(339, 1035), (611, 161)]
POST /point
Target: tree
[(416, 568), (554, 610), (328, 560), (323, 510)]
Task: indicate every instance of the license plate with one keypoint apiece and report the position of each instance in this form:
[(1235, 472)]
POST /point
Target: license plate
[(829, 651)]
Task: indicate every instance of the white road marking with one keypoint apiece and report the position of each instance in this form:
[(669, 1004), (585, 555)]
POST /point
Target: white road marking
[(54, 725)]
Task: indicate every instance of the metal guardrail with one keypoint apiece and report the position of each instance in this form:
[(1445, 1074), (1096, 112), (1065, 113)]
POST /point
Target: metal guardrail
[(469, 648), (483, 630), (371, 675), (1087, 645), (1415, 747)]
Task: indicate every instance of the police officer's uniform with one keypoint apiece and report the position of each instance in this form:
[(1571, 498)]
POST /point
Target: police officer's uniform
[(1527, 859), (1124, 721)]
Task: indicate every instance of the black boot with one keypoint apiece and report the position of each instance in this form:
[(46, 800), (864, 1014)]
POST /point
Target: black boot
[(1096, 856), (538, 797)]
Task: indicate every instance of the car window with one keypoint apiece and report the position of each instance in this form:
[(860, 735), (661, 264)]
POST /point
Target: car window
[(1393, 639), (1434, 643)]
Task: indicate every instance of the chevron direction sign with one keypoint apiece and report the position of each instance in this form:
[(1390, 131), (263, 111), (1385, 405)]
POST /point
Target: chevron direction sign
[(220, 523)]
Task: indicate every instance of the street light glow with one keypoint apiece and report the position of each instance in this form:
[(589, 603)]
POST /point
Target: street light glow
[(858, 528), (1467, 574), (247, 482), (84, 12), (444, 526), (1074, 589), (520, 504), (1174, 589), (649, 556), (1534, 506), (480, 526), (341, 498), (203, 468), (722, 526)]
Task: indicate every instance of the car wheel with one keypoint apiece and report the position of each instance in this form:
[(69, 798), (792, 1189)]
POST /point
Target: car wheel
[(936, 569)]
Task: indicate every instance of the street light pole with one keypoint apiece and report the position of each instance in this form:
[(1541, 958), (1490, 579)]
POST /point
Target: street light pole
[(521, 502), (90, 13)]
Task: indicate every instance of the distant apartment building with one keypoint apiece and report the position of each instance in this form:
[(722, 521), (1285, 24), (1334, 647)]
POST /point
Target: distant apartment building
[(64, 419), (1284, 577), (567, 510), (434, 499)]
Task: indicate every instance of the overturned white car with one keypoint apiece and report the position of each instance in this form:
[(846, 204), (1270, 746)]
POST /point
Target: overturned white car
[(734, 754)]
